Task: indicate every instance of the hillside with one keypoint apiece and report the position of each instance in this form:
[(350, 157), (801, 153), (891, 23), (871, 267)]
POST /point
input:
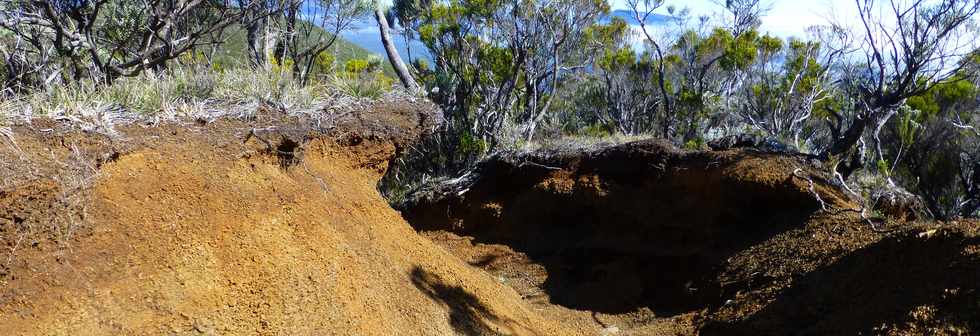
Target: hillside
[(232, 52)]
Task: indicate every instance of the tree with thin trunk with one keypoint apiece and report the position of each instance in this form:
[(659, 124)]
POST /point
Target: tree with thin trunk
[(642, 10), (393, 57), (312, 27), (260, 36)]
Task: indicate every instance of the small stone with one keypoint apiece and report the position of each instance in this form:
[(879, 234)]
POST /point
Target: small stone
[(610, 330), (927, 234)]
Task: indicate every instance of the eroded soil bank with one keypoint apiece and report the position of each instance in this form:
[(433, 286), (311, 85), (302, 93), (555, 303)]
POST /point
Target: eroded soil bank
[(259, 227), (273, 225), (644, 239)]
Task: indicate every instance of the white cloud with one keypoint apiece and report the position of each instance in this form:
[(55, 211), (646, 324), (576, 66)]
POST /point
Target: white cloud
[(793, 17)]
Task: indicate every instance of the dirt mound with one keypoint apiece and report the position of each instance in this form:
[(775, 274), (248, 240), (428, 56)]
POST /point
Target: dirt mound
[(268, 226), (645, 239)]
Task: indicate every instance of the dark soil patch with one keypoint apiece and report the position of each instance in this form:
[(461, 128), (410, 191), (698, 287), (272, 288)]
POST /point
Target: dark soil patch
[(634, 226), (288, 152), (916, 282)]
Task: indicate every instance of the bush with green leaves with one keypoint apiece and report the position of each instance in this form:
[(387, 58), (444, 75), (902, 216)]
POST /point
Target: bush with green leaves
[(931, 147)]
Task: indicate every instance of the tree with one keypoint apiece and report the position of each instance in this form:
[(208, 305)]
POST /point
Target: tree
[(312, 27), (393, 57), (559, 44), (699, 70), (917, 46), (260, 36), (501, 62), (784, 87), (931, 147), (108, 39), (25, 61), (642, 10), (628, 94)]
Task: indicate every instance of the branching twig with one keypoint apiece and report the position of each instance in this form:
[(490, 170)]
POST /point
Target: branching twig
[(813, 190)]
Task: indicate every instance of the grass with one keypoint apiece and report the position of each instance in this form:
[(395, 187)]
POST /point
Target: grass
[(371, 85), (582, 142), (191, 92)]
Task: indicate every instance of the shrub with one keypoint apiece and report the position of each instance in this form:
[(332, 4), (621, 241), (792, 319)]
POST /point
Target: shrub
[(362, 85), (324, 63)]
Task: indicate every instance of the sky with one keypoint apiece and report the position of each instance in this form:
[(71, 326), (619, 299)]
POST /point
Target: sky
[(785, 18)]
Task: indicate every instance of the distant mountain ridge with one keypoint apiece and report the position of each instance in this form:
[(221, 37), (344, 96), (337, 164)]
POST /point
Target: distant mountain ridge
[(627, 15)]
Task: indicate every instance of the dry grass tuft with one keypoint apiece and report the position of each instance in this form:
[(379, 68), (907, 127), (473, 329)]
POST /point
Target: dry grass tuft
[(191, 93)]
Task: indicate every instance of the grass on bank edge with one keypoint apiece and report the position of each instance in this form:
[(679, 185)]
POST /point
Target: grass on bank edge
[(191, 92)]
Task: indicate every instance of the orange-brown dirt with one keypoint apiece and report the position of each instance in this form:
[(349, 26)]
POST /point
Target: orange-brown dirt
[(230, 228), (274, 225), (644, 239)]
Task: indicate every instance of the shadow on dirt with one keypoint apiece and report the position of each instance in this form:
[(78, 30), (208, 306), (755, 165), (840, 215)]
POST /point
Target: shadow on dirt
[(882, 285), (467, 315), (656, 246), (627, 228)]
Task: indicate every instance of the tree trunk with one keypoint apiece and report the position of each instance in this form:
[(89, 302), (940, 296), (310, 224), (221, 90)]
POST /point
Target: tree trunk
[(271, 39), (255, 34), (843, 147), (851, 136), (396, 61)]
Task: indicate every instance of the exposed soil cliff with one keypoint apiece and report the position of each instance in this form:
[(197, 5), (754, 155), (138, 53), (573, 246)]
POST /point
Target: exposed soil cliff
[(645, 239), (269, 226)]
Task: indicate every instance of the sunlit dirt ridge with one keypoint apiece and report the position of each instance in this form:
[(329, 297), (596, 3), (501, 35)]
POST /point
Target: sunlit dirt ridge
[(267, 226)]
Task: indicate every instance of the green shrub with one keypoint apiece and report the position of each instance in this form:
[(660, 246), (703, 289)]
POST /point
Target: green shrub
[(356, 66), (363, 85), (471, 145), (695, 144), (597, 131), (324, 63)]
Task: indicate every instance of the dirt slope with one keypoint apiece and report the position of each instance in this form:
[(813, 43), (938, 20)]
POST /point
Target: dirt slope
[(231, 228), (644, 239)]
